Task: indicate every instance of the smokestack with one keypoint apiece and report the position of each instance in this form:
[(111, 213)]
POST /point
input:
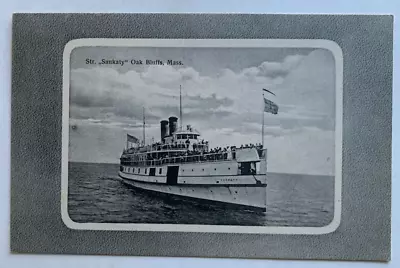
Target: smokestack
[(173, 122), (164, 128)]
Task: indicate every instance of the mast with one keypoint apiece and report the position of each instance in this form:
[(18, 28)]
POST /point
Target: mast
[(262, 130), (180, 105), (144, 129)]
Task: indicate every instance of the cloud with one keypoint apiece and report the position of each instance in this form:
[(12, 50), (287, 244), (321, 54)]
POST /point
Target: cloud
[(124, 94), (280, 68), (304, 89), (310, 88)]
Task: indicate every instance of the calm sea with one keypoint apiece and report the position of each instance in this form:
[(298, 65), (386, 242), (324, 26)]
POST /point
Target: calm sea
[(97, 194)]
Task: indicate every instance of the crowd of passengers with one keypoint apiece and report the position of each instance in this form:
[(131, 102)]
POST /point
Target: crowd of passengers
[(196, 155), (158, 146)]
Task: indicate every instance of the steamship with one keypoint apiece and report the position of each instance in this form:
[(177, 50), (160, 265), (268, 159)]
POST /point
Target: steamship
[(183, 164)]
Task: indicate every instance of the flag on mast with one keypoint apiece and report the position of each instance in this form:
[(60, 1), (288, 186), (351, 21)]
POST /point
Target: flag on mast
[(270, 106), (131, 138)]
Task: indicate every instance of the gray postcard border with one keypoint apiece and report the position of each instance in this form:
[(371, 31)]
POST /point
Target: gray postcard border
[(38, 44)]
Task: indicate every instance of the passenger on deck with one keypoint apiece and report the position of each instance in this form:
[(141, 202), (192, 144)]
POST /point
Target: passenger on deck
[(187, 143)]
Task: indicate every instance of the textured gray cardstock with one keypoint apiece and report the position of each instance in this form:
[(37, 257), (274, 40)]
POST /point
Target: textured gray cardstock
[(38, 43)]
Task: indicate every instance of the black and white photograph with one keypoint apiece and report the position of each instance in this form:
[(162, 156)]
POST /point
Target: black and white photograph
[(220, 136)]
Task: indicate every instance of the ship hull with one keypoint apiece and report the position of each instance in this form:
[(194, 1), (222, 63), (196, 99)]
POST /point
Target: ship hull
[(241, 196)]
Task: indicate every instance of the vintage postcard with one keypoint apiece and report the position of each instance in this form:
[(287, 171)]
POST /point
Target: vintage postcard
[(202, 135), (185, 135)]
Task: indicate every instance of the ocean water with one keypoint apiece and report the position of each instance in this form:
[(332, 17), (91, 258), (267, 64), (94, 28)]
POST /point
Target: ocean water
[(97, 194)]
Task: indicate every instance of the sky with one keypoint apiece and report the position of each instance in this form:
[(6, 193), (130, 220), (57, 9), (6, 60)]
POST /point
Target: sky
[(221, 98)]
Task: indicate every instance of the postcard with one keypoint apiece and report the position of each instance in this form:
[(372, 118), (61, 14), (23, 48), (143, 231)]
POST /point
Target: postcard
[(159, 141)]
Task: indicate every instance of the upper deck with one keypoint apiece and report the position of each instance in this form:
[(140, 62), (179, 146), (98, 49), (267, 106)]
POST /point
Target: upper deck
[(159, 158)]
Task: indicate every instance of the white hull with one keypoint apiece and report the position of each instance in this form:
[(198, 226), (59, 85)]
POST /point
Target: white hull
[(247, 191)]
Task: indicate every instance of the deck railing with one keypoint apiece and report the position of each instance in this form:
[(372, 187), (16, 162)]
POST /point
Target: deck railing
[(164, 147), (212, 157), (208, 157)]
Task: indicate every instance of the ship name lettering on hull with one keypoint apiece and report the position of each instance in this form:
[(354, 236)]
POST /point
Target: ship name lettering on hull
[(228, 179)]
